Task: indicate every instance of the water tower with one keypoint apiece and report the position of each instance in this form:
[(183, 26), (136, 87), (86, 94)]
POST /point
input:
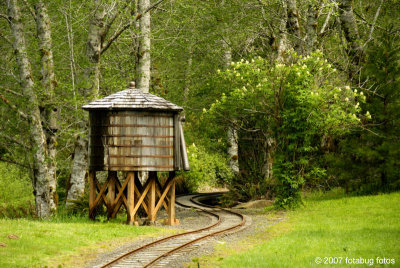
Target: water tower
[(129, 132)]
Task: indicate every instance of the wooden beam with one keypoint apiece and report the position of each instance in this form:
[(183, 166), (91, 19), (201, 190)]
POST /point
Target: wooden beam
[(101, 192), (92, 193), (158, 192), (139, 190), (164, 194), (112, 175), (152, 198), (121, 198), (143, 203), (131, 197), (139, 202), (121, 190), (171, 207)]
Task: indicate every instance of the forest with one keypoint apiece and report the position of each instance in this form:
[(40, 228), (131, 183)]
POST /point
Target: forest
[(280, 96), (291, 102)]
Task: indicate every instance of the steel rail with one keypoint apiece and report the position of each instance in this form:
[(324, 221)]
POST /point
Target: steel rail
[(202, 237), (192, 199), (168, 237)]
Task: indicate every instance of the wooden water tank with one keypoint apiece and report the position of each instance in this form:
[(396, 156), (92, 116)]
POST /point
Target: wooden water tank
[(135, 131)]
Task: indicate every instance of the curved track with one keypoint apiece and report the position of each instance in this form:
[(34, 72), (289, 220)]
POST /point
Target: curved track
[(160, 252)]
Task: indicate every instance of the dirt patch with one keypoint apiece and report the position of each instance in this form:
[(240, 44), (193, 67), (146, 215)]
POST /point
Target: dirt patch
[(13, 236), (255, 204)]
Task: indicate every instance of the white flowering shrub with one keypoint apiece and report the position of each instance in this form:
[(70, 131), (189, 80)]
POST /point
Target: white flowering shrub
[(295, 104)]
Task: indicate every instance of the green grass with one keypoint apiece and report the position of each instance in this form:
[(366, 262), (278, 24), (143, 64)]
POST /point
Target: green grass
[(69, 243), (327, 226)]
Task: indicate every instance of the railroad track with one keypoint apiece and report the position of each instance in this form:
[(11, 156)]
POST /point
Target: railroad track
[(160, 252)]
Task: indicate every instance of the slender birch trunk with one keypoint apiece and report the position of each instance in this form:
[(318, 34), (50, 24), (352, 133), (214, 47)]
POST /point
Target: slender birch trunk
[(188, 73), (268, 159), (143, 56), (232, 135), (283, 42), (96, 45), (49, 110), (96, 36), (41, 176)]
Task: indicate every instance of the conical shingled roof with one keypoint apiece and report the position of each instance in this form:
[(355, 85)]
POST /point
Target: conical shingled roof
[(132, 99)]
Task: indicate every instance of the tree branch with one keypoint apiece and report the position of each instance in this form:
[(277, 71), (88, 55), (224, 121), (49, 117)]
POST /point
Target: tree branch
[(115, 36), (366, 22), (33, 14), (373, 24), (5, 38), (112, 19), (326, 21), (126, 26), (5, 17), (15, 141), (13, 107), (12, 92), (14, 162)]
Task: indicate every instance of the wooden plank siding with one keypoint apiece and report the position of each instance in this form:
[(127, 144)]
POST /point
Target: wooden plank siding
[(133, 141)]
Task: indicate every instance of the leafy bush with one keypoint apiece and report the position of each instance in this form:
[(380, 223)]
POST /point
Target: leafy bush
[(206, 169), (285, 110)]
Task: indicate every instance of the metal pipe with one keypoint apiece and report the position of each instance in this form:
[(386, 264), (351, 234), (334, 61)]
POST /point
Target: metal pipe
[(185, 160)]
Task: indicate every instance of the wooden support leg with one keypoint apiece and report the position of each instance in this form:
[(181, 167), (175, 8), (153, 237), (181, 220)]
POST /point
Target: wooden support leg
[(92, 194), (112, 175), (131, 198), (171, 206), (152, 197)]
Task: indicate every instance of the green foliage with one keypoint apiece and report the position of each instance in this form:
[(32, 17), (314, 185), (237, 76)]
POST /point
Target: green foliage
[(292, 105), (16, 197), (368, 161), (206, 169)]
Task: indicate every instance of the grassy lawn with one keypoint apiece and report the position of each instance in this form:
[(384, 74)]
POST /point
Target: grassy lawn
[(67, 242), (365, 227)]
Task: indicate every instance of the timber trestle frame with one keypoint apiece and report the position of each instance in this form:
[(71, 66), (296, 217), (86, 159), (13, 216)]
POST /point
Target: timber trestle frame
[(133, 195)]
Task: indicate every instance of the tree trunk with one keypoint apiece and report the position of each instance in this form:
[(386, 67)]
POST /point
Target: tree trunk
[(78, 172), (232, 135), (233, 150), (350, 29), (282, 45), (293, 26), (188, 75), (311, 28), (269, 158), (48, 110), (41, 176), (96, 35), (143, 57)]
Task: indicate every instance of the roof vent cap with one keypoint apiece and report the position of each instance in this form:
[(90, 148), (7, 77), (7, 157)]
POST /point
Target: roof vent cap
[(132, 85)]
